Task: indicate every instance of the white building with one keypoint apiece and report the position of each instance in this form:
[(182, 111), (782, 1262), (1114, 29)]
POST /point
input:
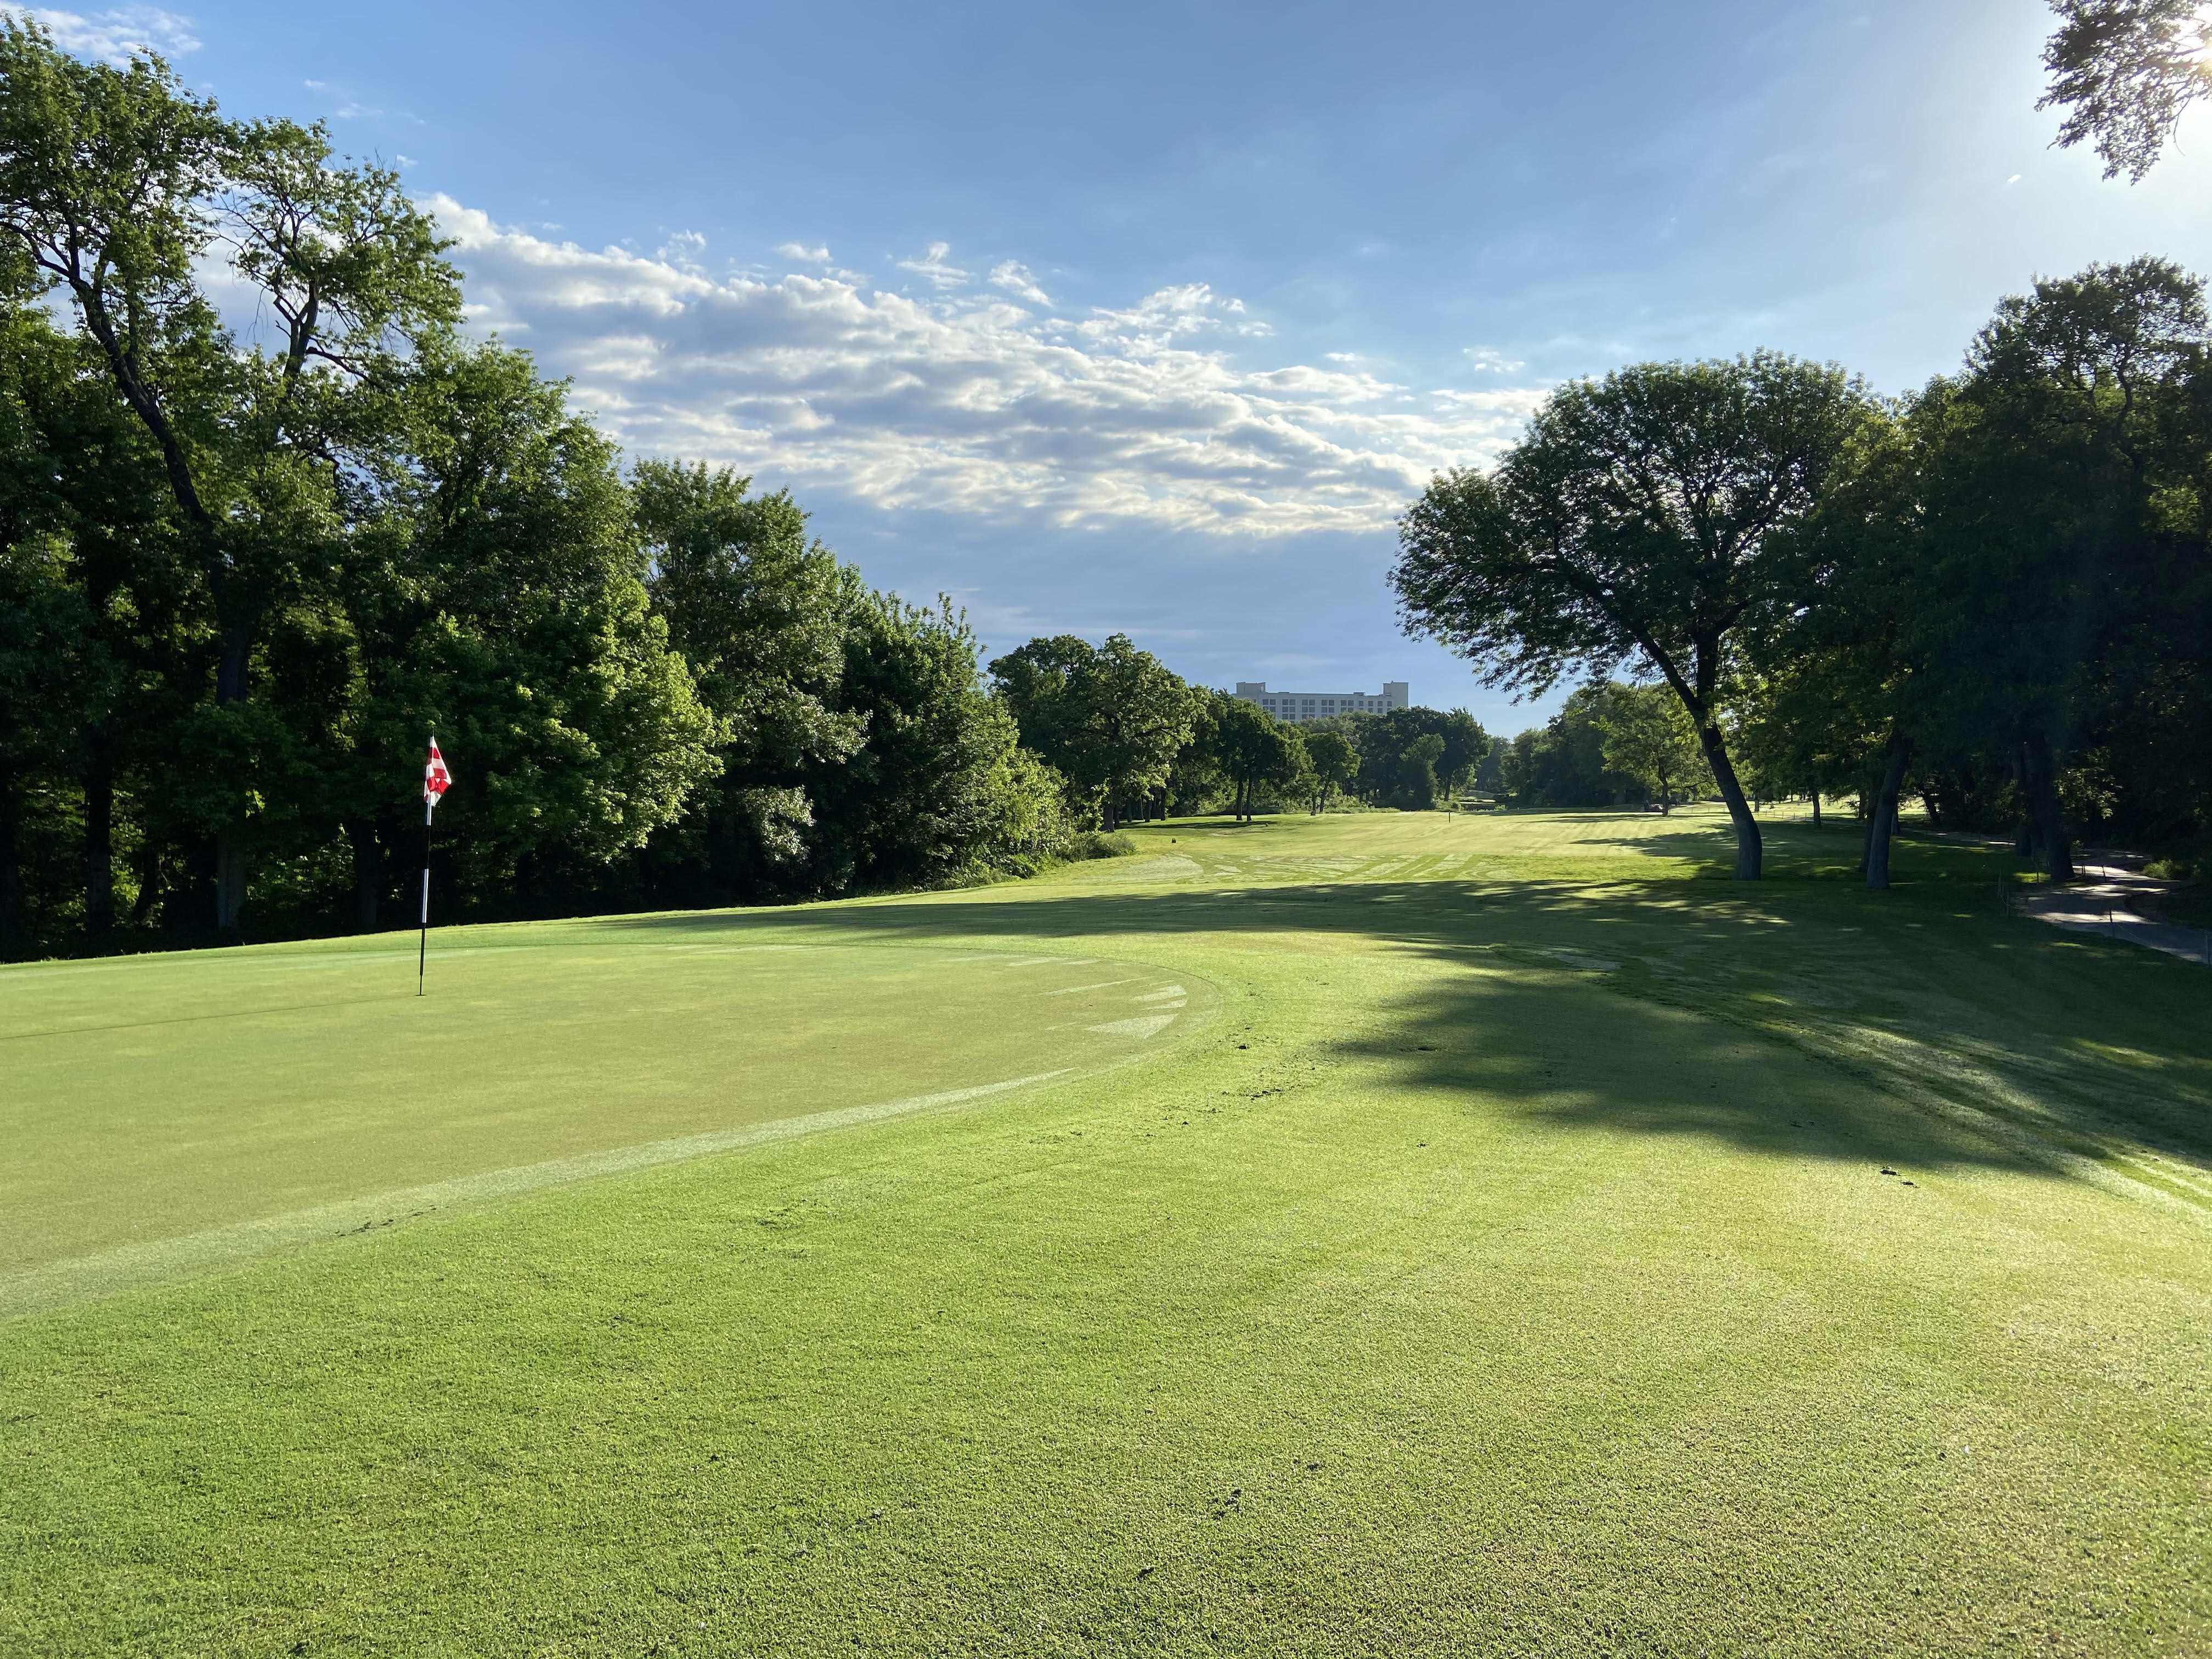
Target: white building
[(1320, 705)]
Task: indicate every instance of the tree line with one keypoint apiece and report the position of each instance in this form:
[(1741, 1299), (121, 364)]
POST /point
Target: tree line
[(244, 572), (1994, 593), (1133, 740), (243, 577)]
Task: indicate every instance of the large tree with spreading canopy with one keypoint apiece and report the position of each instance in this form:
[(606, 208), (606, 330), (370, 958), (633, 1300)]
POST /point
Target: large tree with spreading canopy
[(1644, 518)]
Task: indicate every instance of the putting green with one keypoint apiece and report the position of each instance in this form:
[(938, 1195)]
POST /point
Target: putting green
[(166, 1115)]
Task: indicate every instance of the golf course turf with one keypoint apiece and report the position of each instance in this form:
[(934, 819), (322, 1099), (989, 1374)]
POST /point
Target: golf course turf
[(1520, 1240)]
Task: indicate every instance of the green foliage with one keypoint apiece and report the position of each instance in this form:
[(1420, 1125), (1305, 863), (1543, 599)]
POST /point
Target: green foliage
[(2018, 580), (1099, 844), (1254, 752), (1334, 759), (245, 578), (2124, 70), (763, 615), (935, 788), (1410, 756), (1647, 737), (1646, 517), (1110, 718), (1562, 762)]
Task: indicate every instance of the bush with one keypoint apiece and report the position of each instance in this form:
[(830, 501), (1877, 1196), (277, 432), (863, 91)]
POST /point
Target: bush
[(1099, 844)]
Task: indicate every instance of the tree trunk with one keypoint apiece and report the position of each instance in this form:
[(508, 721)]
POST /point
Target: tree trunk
[(2046, 818), (367, 874), (99, 837), (229, 877), (150, 874), (1750, 848), (1816, 806), (11, 878), (230, 840), (1884, 827)]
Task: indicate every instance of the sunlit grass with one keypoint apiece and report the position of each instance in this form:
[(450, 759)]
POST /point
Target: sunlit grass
[(1496, 1255)]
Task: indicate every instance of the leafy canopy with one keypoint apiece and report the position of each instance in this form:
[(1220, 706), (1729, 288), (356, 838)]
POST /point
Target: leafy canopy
[(1646, 517)]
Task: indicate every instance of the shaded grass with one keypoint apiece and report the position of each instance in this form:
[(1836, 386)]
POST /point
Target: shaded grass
[(1507, 1267)]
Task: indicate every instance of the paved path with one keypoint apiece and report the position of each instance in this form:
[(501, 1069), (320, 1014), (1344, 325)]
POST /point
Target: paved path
[(2109, 898)]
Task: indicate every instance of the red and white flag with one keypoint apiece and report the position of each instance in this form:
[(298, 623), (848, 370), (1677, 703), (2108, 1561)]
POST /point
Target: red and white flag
[(436, 780)]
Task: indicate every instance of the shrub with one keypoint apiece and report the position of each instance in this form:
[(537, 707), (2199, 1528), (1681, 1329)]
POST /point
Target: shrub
[(1099, 844)]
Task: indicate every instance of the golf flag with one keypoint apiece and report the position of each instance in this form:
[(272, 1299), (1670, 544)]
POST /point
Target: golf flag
[(436, 780)]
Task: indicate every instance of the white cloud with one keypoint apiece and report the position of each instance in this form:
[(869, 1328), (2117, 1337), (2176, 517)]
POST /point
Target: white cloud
[(1495, 363), (113, 36), (682, 250), (1132, 416), (813, 256), (1015, 278), (933, 266)]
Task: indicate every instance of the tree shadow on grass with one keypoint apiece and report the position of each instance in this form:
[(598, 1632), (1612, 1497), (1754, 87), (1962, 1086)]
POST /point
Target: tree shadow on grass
[(1794, 849), (1735, 1013)]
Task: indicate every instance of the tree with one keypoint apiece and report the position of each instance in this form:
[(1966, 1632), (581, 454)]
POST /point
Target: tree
[(2058, 556), (1195, 780), (762, 615), (1386, 777), (1646, 516), (116, 185), (1561, 763), (492, 587), (1334, 761), (940, 787), (1466, 747), (1416, 772), (1110, 718), (1649, 738), (2124, 70), (1253, 749)]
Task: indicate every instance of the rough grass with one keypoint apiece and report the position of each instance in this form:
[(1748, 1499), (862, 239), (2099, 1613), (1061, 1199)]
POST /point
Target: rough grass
[(1503, 1261)]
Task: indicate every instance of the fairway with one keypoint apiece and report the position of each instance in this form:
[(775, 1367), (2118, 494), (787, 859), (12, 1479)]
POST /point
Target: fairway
[(1518, 1241)]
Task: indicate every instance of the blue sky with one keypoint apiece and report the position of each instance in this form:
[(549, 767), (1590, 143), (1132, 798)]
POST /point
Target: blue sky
[(1151, 317)]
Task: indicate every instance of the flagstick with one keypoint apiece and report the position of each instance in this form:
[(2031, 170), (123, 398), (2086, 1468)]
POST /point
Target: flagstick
[(423, 945)]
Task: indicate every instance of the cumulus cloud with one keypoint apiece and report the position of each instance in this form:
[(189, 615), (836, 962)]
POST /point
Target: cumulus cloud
[(813, 256), (114, 36), (1015, 278), (933, 266), (1136, 414)]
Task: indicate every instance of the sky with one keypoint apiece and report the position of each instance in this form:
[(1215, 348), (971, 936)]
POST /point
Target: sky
[(1152, 317)]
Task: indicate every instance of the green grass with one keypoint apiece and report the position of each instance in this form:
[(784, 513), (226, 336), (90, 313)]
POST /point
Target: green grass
[(1493, 1255)]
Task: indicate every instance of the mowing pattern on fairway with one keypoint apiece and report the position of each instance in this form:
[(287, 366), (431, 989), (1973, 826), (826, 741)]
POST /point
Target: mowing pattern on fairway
[(1538, 1249)]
